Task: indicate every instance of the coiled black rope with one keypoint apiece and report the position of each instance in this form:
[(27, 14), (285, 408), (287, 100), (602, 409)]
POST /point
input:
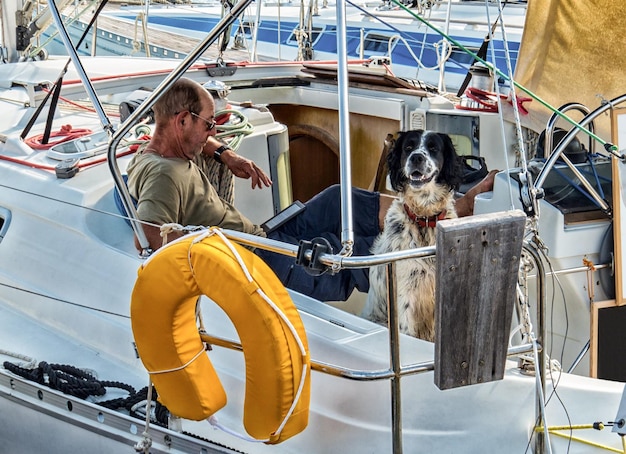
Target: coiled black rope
[(82, 384), (79, 383), (67, 379)]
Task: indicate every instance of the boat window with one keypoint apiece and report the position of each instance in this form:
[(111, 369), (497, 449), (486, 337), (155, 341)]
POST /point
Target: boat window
[(460, 56), (463, 129), (5, 220), (462, 144), (315, 34), (376, 43)]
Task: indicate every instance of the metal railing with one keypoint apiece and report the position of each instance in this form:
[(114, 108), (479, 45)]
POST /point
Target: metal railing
[(396, 370)]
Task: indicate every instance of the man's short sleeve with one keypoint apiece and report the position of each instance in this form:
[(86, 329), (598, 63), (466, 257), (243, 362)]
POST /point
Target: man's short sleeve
[(151, 182)]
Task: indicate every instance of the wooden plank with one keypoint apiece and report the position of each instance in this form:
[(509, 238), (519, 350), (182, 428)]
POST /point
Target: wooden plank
[(360, 74), (618, 133), (477, 269)]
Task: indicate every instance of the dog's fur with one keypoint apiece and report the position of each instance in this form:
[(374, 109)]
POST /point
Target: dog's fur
[(425, 170)]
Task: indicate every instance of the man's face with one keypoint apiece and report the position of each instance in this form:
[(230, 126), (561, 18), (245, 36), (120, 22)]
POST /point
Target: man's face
[(202, 126)]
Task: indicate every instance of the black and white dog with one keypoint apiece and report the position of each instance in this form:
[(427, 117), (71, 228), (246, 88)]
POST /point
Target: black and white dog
[(425, 170)]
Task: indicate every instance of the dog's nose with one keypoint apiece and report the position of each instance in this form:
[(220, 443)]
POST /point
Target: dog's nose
[(417, 158)]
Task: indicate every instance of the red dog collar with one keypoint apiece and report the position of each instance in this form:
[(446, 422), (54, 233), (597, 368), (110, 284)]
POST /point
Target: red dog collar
[(424, 221)]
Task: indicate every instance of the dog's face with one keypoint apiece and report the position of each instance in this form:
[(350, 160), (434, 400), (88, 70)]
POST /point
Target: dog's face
[(420, 157)]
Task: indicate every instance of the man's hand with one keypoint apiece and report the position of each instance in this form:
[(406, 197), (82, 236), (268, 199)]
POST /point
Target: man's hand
[(245, 168)]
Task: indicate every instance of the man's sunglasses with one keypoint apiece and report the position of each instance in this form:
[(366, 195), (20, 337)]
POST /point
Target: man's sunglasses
[(210, 124)]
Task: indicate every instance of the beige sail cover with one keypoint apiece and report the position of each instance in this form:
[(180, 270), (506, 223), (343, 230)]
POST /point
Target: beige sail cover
[(573, 51)]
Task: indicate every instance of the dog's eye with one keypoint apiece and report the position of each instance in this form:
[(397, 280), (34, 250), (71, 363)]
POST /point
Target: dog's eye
[(410, 146)]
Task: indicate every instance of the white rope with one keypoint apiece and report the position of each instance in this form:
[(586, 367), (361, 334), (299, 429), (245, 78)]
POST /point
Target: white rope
[(144, 403), (499, 99), (146, 442), (30, 363), (174, 369), (166, 229), (215, 423), (441, 57), (263, 295)]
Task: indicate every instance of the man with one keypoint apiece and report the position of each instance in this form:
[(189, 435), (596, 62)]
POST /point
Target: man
[(167, 183), (170, 187)]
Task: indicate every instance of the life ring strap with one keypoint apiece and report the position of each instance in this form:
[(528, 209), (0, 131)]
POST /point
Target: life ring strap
[(175, 369)]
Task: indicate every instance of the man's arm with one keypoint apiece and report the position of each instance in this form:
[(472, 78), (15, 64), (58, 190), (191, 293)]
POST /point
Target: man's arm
[(238, 165)]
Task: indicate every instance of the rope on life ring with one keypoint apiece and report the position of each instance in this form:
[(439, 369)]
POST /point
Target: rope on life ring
[(65, 134), (273, 339)]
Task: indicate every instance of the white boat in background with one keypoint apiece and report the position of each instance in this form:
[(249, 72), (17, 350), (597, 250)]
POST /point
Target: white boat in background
[(381, 32), (69, 268)]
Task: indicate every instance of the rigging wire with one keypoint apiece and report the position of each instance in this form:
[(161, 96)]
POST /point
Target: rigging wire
[(509, 68), (50, 297), (522, 154), (499, 98), (609, 147), (556, 281)]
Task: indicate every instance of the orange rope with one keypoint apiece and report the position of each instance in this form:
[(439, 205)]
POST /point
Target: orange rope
[(66, 133)]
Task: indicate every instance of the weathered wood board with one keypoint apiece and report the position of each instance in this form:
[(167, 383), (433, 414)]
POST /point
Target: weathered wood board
[(477, 270)]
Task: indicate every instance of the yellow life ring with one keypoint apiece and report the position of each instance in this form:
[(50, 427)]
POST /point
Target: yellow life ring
[(271, 332)]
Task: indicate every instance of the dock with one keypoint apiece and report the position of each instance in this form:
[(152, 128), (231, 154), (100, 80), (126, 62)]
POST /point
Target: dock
[(161, 43)]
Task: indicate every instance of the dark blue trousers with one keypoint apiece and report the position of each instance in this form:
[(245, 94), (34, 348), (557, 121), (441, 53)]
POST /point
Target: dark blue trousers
[(322, 218)]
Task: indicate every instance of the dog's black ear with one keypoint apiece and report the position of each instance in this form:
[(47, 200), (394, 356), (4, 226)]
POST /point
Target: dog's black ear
[(394, 167), (452, 171)]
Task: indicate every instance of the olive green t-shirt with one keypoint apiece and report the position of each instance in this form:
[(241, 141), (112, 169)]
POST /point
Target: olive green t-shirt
[(174, 190)]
